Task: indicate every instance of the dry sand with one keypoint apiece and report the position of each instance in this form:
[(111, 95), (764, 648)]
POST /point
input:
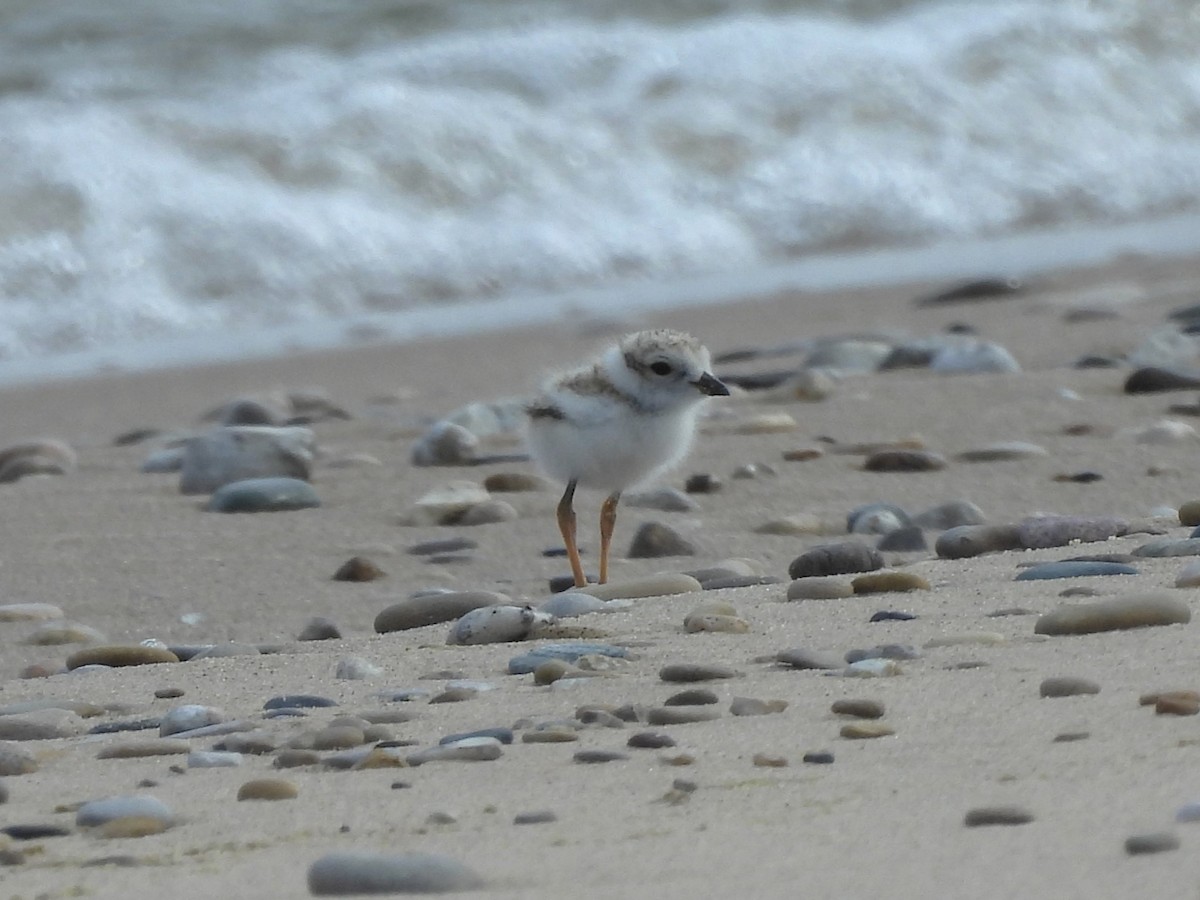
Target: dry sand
[(129, 555)]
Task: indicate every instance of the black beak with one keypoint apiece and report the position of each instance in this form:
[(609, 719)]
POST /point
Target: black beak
[(711, 385)]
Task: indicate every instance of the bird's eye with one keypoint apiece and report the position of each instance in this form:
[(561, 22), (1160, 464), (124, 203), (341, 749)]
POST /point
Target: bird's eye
[(661, 368)]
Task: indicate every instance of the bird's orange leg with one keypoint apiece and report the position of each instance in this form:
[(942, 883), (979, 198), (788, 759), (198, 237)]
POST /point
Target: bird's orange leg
[(566, 524), (608, 520)]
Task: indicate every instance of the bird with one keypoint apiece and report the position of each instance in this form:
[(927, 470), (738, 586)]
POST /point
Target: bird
[(618, 422)]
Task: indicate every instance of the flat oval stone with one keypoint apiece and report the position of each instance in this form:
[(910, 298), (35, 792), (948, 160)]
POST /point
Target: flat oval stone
[(689, 672), (866, 730), (1155, 379), (803, 658), (418, 612), (1001, 451), (1040, 532), (1169, 547), (298, 701), (23, 832), (570, 604), (1151, 842), (1074, 569), (56, 633), (997, 815), (681, 715), (885, 582), (343, 874), (98, 812), (138, 749), (662, 585), (253, 495), (899, 460), (267, 789), (876, 518), (1137, 611), (859, 708), (964, 541), (692, 697), (819, 588), (29, 612), (839, 558), (116, 655), (537, 817), (495, 624), (650, 740), (503, 735), (358, 568), (213, 759), (1067, 686), (188, 718), (818, 757), (599, 756)]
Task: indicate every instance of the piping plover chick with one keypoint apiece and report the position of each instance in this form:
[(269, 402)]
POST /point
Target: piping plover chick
[(619, 422)]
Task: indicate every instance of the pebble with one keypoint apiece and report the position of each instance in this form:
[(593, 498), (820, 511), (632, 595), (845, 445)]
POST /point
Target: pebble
[(1136, 611), (1074, 569), (965, 541), (294, 757), (1039, 532), (974, 291), (1169, 547), (213, 759), (973, 356), (263, 495), (418, 612), (891, 615), (240, 452), (1155, 379), (807, 385), (967, 638), (588, 757), (997, 815), (42, 457), (443, 546), (702, 620), (515, 482), (702, 483), (444, 444), (650, 740), (1151, 842), (1069, 737), (950, 515), (797, 525), (454, 695), (663, 499), (553, 670), (355, 668), (58, 633), (115, 655), (872, 668), (140, 749), (768, 761), (848, 355), (1177, 703), (1067, 686), (267, 789), (665, 584), (298, 701), (29, 612), (885, 582), (472, 749), (753, 470), (343, 874), (749, 706), (1189, 513), (538, 817), (143, 806), (883, 651), (859, 708), (818, 757), (1162, 433), (251, 744), (319, 628), (503, 735), (876, 518), (44, 725), (528, 662), (901, 460), (444, 505), (1189, 812), (654, 540), (358, 568), (909, 539), (803, 658), (767, 423), (1002, 451), (839, 558), (489, 512), (497, 624), (866, 730), (188, 718), (820, 588), (681, 715), (16, 760), (22, 832), (551, 734), (692, 697), (689, 672)]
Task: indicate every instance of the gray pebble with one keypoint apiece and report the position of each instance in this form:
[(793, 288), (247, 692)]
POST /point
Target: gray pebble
[(650, 740), (1169, 547), (1137, 611), (496, 624), (599, 756), (236, 453), (213, 759), (503, 735), (1074, 569), (188, 718), (168, 460), (663, 499), (909, 539), (263, 495), (997, 815), (681, 715), (974, 356), (689, 672), (904, 460), (1067, 686), (965, 541), (418, 612), (654, 540), (527, 662), (751, 706), (355, 668), (341, 874), (539, 817), (818, 588), (950, 515), (1151, 842), (876, 518), (319, 628), (692, 697), (803, 658), (1002, 451), (444, 444), (16, 760), (839, 558), (97, 812), (471, 749), (1058, 531)]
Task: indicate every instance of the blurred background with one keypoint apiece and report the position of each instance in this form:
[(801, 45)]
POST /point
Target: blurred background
[(173, 167)]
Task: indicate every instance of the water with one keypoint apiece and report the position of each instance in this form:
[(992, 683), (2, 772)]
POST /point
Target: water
[(171, 169)]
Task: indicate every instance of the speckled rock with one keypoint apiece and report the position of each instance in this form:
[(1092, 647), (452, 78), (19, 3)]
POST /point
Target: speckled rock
[(496, 624), (1058, 531), (835, 559)]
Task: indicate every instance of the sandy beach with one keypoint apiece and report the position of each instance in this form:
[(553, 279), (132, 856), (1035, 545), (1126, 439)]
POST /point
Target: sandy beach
[(127, 554)]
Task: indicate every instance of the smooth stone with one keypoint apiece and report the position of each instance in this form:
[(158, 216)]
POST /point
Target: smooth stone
[(1002, 451), (1189, 513), (876, 518), (298, 701), (294, 757), (1177, 703), (537, 817), (802, 658), (874, 667), (213, 759), (418, 612), (749, 706), (57, 633), (891, 615), (22, 832), (591, 757), (267, 789), (690, 672), (818, 758), (904, 460), (16, 760), (98, 812), (859, 731), (569, 604), (140, 749), (848, 355), (702, 483), (662, 499), (1039, 532), (965, 541), (496, 624), (714, 622), (355, 668), (681, 715), (820, 588), (650, 740), (189, 717), (528, 662), (442, 546), (662, 585), (454, 695), (489, 512), (1169, 547), (692, 697), (1073, 569), (1189, 812), (319, 628), (474, 749), (444, 505), (1162, 433), (1136, 611), (972, 357), (115, 655), (1070, 737), (859, 708), (949, 515), (515, 482), (654, 540), (343, 874), (551, 671), (840, 558), (44, 456), (887, 582), (236, 453), (997, 815), (444, 444), (909, 539), (225, 650), (1067, 686), (263, 495), (975, 291), (358, 568), (29, 612), (1151, 842), (165, 461), (503, 735), (768, 761)]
